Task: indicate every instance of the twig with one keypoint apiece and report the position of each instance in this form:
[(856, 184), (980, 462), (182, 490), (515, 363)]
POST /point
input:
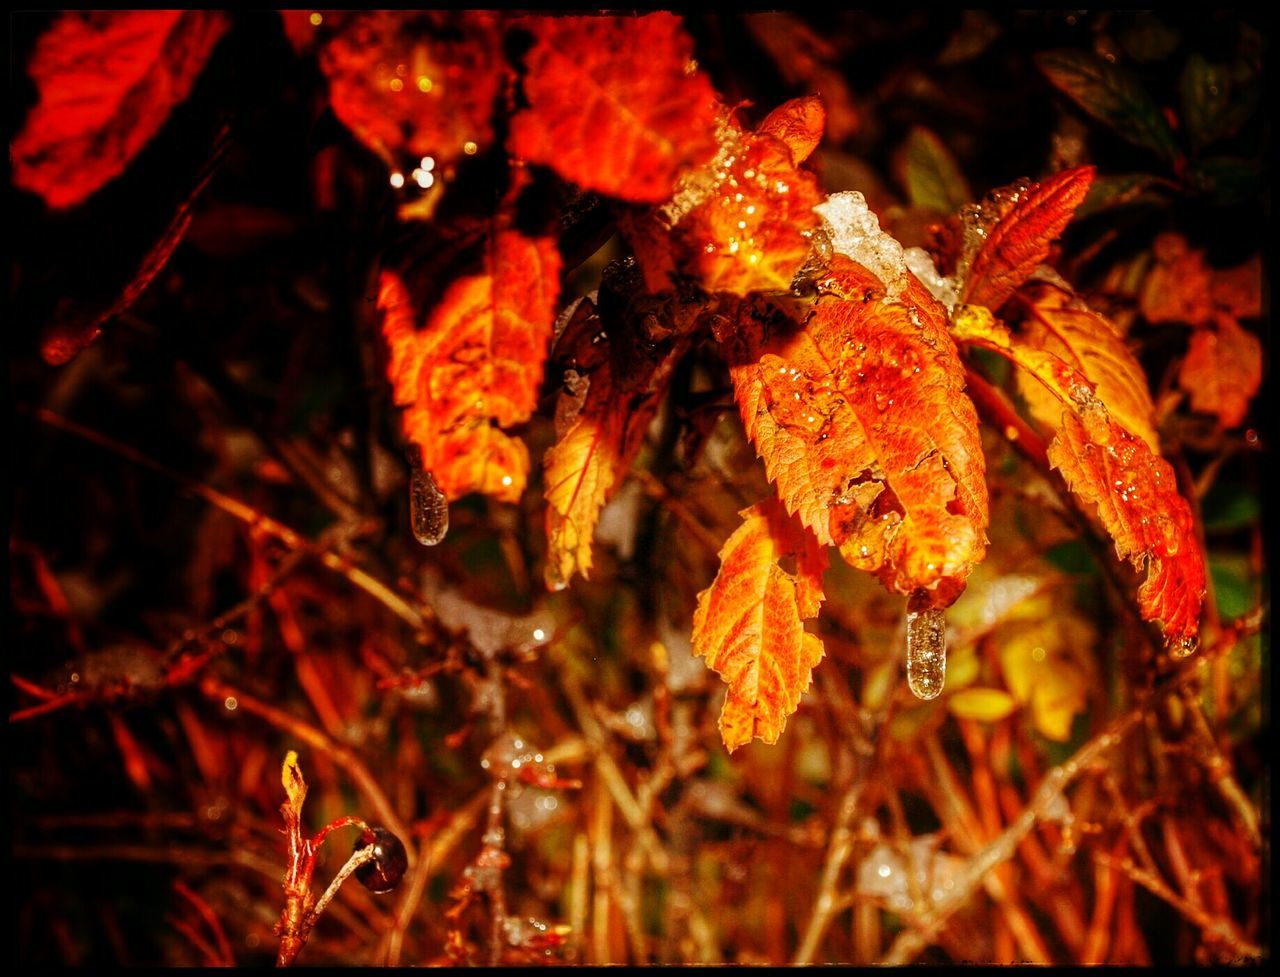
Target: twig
[(250, 516), (828, 903), (341, 755), (1212, 926), (911, 942)]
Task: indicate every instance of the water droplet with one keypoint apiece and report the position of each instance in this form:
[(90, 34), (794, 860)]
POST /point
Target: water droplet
[(428, 508), (1183, 647), (926, 647)]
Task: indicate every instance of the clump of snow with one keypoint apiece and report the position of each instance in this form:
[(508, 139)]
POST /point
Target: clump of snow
[(855, 232), (942, 287)]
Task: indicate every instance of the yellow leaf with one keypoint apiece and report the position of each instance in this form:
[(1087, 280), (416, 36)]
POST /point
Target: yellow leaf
[(985, 704), (291, 779)]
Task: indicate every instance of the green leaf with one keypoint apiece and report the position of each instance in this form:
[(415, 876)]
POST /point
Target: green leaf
[(1214, 103), (1231, 586), (1111, 95), (1227, 179), (1229, 507), (1121, 190), (931, 174)]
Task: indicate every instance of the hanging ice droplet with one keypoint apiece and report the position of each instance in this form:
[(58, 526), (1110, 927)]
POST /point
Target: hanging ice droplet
[(926, 647), (1183, 647), (428, 508)]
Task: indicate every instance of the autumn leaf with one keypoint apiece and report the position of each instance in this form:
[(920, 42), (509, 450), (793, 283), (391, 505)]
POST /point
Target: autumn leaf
[(415, 84), (615, 104), (1064, 326), (601, 417), (107, 81), (738, 224), (477, 362), (1044, 654), (749, 624), (861, 420), (1026, 222), (1222, 370), (1134, 490)]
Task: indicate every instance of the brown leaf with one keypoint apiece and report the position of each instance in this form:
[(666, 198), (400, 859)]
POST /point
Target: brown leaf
[(737, 224), (862, 422), (615, 104), (477, 362), (107, 81), (599, 432), (415, 84), (1090, 343), (749, 624), (1027, 222), (1134, 490), (1222, 370)]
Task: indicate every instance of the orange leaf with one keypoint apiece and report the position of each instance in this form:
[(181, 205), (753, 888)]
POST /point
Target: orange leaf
[(1027, 222), (615, 104), (1134, 489), (749, 623), (1222, 370), (599, 433), (479, 359), (737, 224), (413, 84), (1064, 326), (861, 420), (107, 81)]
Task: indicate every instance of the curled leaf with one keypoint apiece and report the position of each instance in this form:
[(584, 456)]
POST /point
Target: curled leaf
[(615, 104), (1027, 220), (295, 787), (477, 363), (749, 624), (108, 80)]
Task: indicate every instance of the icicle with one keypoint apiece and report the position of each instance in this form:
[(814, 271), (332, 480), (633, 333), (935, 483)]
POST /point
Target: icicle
[(428, 508), (926, 647), (1182, 647)]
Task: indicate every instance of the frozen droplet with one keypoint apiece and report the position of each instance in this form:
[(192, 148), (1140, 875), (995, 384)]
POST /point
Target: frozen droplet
[(926, 647), (1183, 647), (428, 508)]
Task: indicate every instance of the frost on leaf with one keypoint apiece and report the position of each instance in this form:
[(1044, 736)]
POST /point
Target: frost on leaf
[(1010, 234), (749, 624), (607, 402), (1133, 488), (862, 422), (107, 81), (477, 362), (615, 104), (415, 84), (1064, 326), (738, 223)]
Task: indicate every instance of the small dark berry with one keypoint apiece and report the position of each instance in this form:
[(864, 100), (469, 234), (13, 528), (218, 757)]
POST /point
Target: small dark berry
[(389, 863)]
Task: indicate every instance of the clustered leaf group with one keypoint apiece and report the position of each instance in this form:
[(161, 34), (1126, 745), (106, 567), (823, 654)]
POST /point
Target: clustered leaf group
[(848, 356)]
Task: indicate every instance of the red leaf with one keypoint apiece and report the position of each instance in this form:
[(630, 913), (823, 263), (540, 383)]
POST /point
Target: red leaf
[(107, 82), (1134, 489), (1222, 370), (615, 104), (862, 422), (415, 84), (749, 624), (1027, 222), (1136, 495), (478, 360), (737, 225)]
